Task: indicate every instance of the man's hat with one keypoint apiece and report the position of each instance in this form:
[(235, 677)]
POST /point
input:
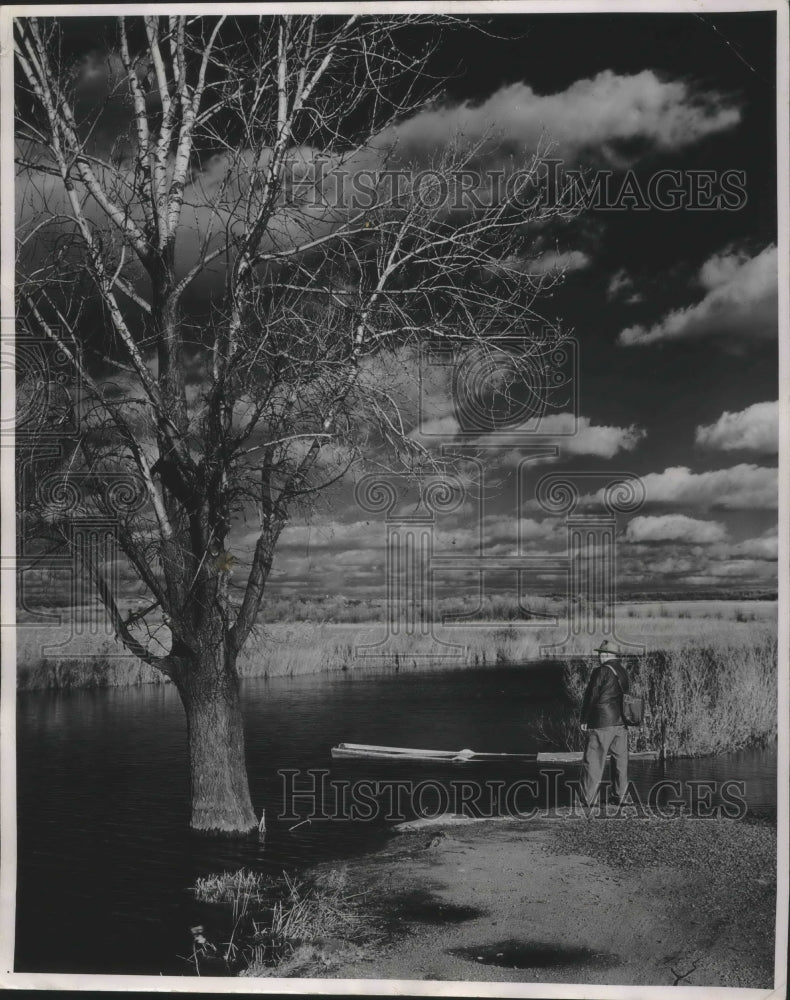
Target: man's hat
[(607, 647)]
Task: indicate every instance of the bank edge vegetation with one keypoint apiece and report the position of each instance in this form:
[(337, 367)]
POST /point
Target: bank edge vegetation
[(710, 669)]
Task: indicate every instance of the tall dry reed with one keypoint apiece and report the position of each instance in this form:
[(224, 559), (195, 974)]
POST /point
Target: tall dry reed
[(270, 918), (702, 699), (300, 648)]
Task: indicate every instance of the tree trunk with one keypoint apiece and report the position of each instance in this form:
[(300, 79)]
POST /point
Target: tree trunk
[(220, 793)]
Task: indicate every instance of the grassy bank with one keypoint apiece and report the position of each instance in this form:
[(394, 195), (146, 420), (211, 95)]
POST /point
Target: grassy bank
[(711, 695), (47, 658)]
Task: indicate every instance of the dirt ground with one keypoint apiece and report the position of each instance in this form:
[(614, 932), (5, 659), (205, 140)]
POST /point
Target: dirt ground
[(509, 902)]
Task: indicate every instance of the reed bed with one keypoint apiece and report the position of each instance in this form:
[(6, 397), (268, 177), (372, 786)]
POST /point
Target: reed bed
[(87, 672), (283, 649), (703, 699)]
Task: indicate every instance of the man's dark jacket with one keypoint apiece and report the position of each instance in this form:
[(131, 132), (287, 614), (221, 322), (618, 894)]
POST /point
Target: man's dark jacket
[(603, 700)]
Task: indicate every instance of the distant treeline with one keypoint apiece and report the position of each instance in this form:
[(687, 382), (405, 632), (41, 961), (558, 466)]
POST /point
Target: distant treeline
[(699, 595), (496, 607)]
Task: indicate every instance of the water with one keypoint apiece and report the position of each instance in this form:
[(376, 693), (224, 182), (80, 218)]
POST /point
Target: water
[(105, 859)]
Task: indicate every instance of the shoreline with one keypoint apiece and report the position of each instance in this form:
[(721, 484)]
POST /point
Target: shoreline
[(293, 649), (615, 901)]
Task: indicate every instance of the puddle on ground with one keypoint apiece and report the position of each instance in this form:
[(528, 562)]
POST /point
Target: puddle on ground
[(533, 955), (422, 907)]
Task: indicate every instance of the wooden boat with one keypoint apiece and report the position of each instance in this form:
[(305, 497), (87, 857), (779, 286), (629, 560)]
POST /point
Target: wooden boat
[(367, 751), (575, 756), (404, 755)]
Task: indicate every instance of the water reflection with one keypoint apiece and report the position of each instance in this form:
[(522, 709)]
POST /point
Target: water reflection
[(105, 861)]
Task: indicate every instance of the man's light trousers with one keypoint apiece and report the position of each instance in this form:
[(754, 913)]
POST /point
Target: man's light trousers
[(600, 742)]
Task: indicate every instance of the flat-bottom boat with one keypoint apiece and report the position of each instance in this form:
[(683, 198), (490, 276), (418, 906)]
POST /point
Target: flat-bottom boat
[(403, 755)]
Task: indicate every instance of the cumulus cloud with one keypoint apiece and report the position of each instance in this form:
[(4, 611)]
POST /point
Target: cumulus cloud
[(596, 115), (542, 262), (743, 569), (741, 301), (764, 547), (519, 532), (669, 566), (666, 550), (720, 564), (568, 260), (573, 436), (592, 119), (437, 427), (579, 437), (600, 440), (674, 527), (328, 535), (741, 487), (621, 286), (582, 437), (756, 429)]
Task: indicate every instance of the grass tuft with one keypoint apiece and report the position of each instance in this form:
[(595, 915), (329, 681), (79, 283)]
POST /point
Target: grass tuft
[(274, 920), (232, 887)]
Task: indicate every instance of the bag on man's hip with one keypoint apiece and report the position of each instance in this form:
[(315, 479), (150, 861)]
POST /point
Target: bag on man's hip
[(633, 710), (633, 707)]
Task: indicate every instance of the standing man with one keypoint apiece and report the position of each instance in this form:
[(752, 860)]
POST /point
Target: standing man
[(602, 720)]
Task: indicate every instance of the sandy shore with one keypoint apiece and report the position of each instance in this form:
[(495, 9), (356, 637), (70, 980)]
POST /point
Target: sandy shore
[(555, 900)]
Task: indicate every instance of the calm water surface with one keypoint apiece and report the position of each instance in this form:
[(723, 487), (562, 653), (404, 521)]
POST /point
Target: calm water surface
[(104, 857)]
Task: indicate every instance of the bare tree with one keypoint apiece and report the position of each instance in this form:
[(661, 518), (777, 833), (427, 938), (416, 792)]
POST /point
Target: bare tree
[(252, 164)]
